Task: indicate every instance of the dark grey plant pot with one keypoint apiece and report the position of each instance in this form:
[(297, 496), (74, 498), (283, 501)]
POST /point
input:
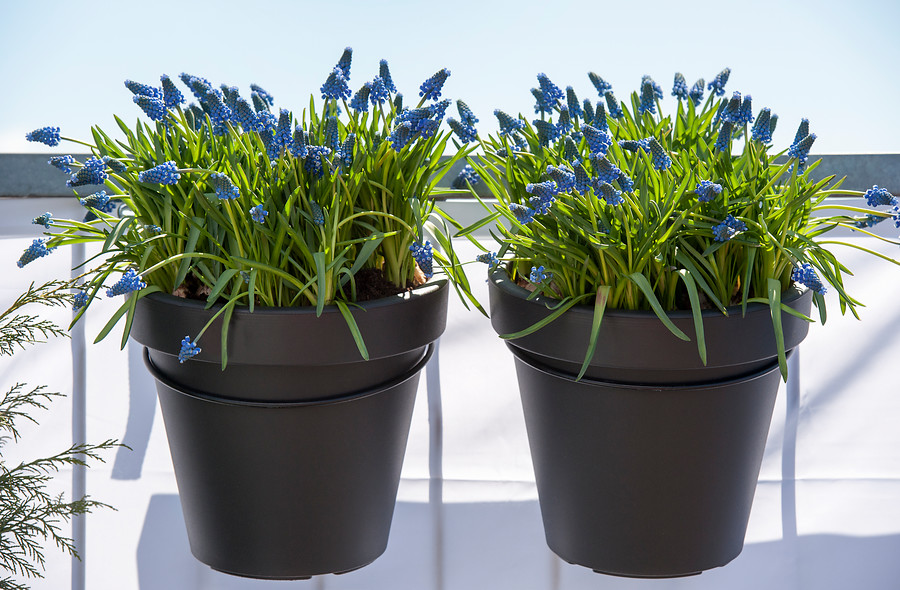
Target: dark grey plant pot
[(288, 461), (645, 479)]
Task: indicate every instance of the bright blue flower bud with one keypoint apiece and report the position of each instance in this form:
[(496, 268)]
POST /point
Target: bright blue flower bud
[(360, 100), (313, 161), (165, 173), (385, 74), (139, 89), (605, 170), (657, 89), (301, 140), (154, 108), (244, 115), (723, 140), (258, 214), (37, 249), (62, 163), (648, 98), (572, 102), (565, 122), (537, 275), (489, 258), (547, 132), (612, 196), (345, 154), (588, 110), (129, 282), (612, 106), (45, 219), (424, 257), (431, 88), (800, 150), (563, 177), (318, 215), (507, 123), (707, 191), (523, 214), (335, 85), (344, 62), (696, 93), (224, 187), (467, 177), (114, 164), (80, 300), (582, 180), (466, 133), (46, 135), (679, 87), (718, 84), (570, 150), (876, 197), (661, 160), (598, 141), (625, 182), (761, 131), (331, 133), (263, 95), (91, 172), (188, 350), (465, 113), (550, 92), (599, 83), (802, 131), (806, 275), (728, 229), (172, 97), (378, 92)]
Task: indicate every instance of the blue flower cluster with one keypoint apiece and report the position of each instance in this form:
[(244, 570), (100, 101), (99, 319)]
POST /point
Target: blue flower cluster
[(165, 173), (465, 133), (803, 141), (154, 108), (489, 258), (211, 100), (718, 83), (598, 141), (385, 74), (224, 187), (360, 100), (44, 219), (188, 350), (172, 97), (661, 159), (761, 131), (562, 176), (575, 110), (723, 140), (612, 105), (679, 87), (99, 201), (543, 195), (609, 193), (538, 275), (91, 172), (508, 125), (258, 214), (707, 191), (378, 92), (876, 197), (431, 88), (46, 135), (696, 93), (806, 275), (313, 162), (606, 171), (37, 249), (424, 257), (62, 163), (267, 98), (114, 164), (728, 229), (523, 214), (318, 215), (139, 89), (80, 300), (467, 177), (547, 132), (129, 282), (599, 83)]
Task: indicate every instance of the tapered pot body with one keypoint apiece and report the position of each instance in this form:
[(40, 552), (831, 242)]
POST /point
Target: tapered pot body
[(288, 461), (648, 466)]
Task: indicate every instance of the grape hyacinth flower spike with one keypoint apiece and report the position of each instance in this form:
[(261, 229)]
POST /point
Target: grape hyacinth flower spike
[(424, 256), (129, 282), (37, 249), (188, 349)]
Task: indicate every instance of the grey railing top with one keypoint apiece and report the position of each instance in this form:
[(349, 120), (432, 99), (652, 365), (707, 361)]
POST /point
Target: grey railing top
[(28, 175)]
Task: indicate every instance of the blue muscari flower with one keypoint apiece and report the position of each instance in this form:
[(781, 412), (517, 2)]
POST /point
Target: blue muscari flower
[(114, 164), (800, 150), (224, 187), (99, 200), (538, 275), (679, 87), (335, 85), (244, 114), (401, 135), (313, 161), (378, 92), (345, 154), (466, 133), (331, 134), (467, 176), (544, 194), (718, 83), (661, 160), (318, 215), (522, 213), (263, 95), (562, 176), (724, 138), (45, 135), (80, 300), (572, 102), (385, 74), (165, 173), (188, 350), (625, 182), (344, 62), (696, 93), (154, 108), (258, 214), (729, 228), (301, 140), (424, 257), (550, 91), (606, 171), (139, 89), (648, 98), (599, 83), (489, 258), (62, 163), (37, 249), (508, 124), (91, 172), (540, 105), (588, 110), (802, 131), (259, 103), (612, 104), (283, 137), (231, 94), (466, 115), (153, 229), (360, 100), (212, 101), (547, 132), (806, 275), (398, 102), (745, 114), (582, 180), (876, 197), (431, 88), (599, 119), (719, 112), (870, 220), (129, 282), (570, 151), (598, 141), (732, 109), (612, 196), (172, 97), (265, 122), (565, 121), (773, 122), (45, 219), (707, 191), (438, 109), (657, 89), (630, 145), (760, 131)]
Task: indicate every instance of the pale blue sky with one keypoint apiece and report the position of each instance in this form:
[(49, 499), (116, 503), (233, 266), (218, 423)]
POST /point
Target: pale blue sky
[(832, 61)]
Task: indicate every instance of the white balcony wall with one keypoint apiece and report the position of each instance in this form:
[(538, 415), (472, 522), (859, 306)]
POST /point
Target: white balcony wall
[(826, 514)]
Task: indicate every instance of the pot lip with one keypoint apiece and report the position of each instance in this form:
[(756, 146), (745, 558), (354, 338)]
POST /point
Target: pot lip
[(305, 403), (429, 288), (644, 387), (499, 278)]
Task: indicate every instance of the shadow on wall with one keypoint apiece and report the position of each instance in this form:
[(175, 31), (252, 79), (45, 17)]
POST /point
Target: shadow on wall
[(500, 546), (141, 409)]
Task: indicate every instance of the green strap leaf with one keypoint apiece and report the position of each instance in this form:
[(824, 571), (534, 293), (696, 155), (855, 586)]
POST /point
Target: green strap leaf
[(599, 308), (644, 285), (560, 309), (185, 265), (694, 297), (319, 260), (774, 292), (354, 328)]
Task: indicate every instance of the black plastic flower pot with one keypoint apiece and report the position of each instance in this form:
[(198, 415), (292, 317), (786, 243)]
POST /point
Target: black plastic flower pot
[(647, 466), (288, 461), (645, 481)]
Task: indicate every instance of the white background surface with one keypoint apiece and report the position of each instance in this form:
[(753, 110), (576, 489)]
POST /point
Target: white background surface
[(836, 525)]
